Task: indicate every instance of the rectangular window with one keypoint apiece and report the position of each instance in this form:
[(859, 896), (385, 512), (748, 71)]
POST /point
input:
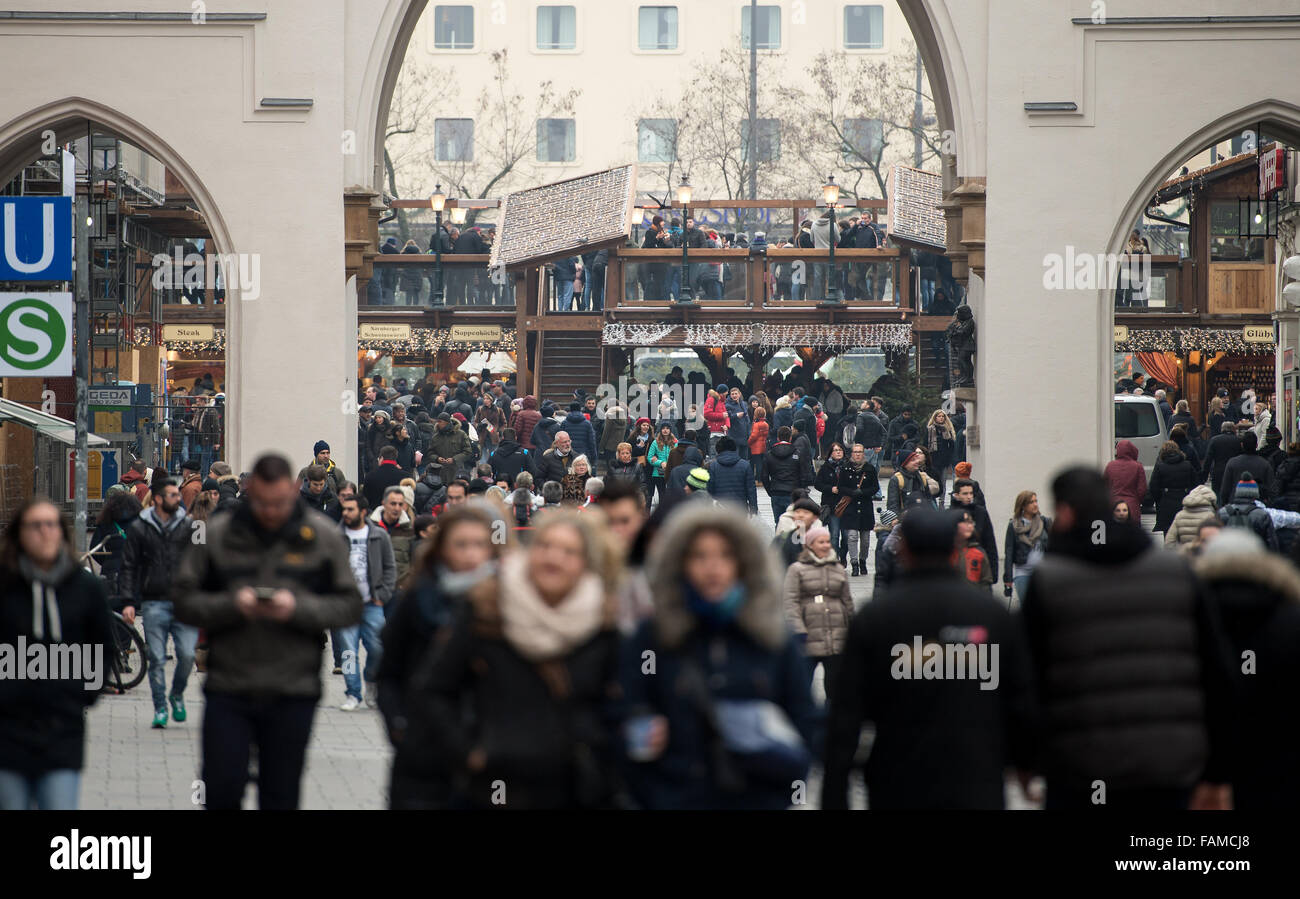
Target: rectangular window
[(556, 140), (453, 140), (767, 144), (656, 140), (863, 140), (453, 27), (657, 28), (557, 27), (1136, 420), (864, 27), (769, 27)]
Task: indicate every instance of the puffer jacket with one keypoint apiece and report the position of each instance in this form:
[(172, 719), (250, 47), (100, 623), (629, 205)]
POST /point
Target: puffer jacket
[(1198, 507), (401, 536), (309, 557), (818, 602), (581, 433), (715, 415), (731, 478), (632, 470), (784, 469)]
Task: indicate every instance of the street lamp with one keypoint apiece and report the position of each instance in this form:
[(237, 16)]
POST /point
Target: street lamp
[(684, 200), (831, 193), (437, 200)]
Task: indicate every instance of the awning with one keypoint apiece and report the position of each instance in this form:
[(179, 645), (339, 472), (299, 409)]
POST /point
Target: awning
[(52, 426)]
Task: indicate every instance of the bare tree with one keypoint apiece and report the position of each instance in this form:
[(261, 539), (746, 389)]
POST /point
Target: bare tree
[(417, 92)]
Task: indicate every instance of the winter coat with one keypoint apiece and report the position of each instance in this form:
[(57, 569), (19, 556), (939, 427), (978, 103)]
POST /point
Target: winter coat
[(910, 488), (385, 475), (508, 460), (784, 470), (1136, 713), (1286, 484), (551, 466), (1198, 506), (429, 491), (886, 559), (42, 720), (758, 434), (685, 454), (657, 458), (918, 723), (450, 443), (818, 603), (716, 418), (859, 485), (489, 416), (1243, 512), (1257, 597), (612, 433), (137, 482), (544, 433), (575, 487), (193, 485), (321, 502), (631, 470), (582, 434), (826, 480), (381, 567), (751, 657), (988, 540), (973, 565), (870, 430), (153, 552), (1218, 452), (400, 535), (545, 728), (259, 657), (738, 425), (1126, 477), (731, 478), (1247, 463), (523, 422), (110, 536), (1172, 478), (781, 418), (691, 459), (943, 449), (1018, 551)]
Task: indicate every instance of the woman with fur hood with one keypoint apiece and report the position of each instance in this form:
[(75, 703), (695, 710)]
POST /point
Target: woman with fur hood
[(1257, 596), (519, 693), (722, 651), (818, 604), (1198, 507)]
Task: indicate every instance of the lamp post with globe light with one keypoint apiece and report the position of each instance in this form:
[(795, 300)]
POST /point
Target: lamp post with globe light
[(685, 295), (831, 194)]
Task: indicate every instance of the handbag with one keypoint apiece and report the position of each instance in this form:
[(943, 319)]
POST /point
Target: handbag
[(844, 503)]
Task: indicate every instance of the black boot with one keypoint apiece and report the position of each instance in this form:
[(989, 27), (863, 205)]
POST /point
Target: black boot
[(856, 572)]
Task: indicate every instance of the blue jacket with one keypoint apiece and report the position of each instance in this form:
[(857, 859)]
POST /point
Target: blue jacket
[(582, 434), (781, 418), (740, 423), (731, 478)]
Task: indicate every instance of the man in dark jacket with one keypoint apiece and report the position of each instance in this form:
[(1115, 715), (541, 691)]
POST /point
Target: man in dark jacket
[(803, 444), (689, 459), (430, 491), (945, 733), (963, 497), (554, 464), (1221, 448), (1244, 512), (1136, 722), (386, 474), (896, 426), (581, 433), (509, 459), (449, 448), (1247, 462), (565, 271), (267, 583), (1272, 451), (316, 490), (545, 429), (593, 280), (731, 478), (870, 432), (155, 543), (783, 472)]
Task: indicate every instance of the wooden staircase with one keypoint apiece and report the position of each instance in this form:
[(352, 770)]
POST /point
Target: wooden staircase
[(569, 360)]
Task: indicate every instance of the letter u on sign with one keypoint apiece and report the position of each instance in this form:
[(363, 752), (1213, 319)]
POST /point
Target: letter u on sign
[(36, 239)]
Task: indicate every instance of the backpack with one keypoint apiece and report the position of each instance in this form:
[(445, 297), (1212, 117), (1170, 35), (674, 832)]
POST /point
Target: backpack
[(910, 498), (1235, 516)]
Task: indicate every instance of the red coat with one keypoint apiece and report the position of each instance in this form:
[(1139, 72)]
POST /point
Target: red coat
[(523, 422), (758, 438), (715, 415), (1127, 478)]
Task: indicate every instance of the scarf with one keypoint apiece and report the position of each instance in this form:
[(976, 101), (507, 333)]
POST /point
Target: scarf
[(715, 615), (1029, 531), (935, 433), (540, 632), (43, 583), (455, 582)]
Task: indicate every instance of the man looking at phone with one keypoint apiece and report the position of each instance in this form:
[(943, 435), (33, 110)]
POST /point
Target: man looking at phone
[(266, 583)]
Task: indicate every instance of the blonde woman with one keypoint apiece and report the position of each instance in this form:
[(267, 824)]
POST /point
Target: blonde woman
[(575, 482), (1026, 541), (941, 441)]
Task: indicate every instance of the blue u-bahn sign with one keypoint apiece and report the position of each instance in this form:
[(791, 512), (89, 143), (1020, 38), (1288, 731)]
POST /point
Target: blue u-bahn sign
[(35, 238)]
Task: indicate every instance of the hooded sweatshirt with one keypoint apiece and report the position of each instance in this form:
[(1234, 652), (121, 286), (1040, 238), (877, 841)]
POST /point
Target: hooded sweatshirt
[(1127, 477)]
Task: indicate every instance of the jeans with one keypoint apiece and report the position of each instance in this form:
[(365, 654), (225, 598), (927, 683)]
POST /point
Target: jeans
[(872, 456), (367, 632), (796, 291), (564, 296), (712, 289), (927, 293), (1022, 585), (48, 791), (280, 726), (780, 502), (159, 622), (838, 535), (675, 284)]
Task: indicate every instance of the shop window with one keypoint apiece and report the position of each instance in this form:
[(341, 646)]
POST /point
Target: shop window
[(864, 27), (657, 28), (557, 27), (1226, 244), (768, 31)]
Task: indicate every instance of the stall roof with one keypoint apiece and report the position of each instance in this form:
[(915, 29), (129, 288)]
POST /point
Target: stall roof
[(59, 429), (914, 212), (1181, 185), (567, 218)]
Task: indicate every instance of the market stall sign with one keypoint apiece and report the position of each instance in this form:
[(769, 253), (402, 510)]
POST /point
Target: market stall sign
[(1272, 172), (1121, 333), (475, 334), (1257, 333), (189, 333), (384, 332)]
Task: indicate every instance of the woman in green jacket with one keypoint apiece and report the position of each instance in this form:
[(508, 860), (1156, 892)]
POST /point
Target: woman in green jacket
[(657, 461)]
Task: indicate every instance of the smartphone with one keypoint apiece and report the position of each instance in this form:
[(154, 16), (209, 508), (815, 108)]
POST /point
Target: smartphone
[(264, 594)]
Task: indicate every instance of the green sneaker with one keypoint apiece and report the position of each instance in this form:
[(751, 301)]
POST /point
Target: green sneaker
[(178, 709), (160, 718)]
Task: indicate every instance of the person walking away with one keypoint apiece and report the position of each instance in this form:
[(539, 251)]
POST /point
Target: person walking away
[(731, 479), (271, 578), (47, 600), (819, 605), (758, 440), (783, 472), (1247, 463), (1172, 479), (155, 544), (1245, 511), (1127, 477), (1218, 452), (1197, 508), (942, 743), (724, 656), (1146, 716), (530, 660), (370, 558)]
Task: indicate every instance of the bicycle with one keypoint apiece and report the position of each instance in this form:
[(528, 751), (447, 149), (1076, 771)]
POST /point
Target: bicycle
[(129, 662)]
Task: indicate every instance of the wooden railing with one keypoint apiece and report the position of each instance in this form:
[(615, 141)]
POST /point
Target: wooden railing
[(407, 280)]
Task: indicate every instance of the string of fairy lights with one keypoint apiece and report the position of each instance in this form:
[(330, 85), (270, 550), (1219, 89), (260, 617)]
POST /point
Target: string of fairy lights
[(1185, 340)]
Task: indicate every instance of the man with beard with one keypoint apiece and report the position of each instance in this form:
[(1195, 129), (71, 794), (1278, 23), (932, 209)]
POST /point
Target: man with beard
[(370, 556)]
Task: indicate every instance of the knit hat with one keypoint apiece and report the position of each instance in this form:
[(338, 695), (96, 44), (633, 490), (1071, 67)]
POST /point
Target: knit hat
[(191, 465), (814, 532), (1247, 489), (210, 484), (962, 469), (459, 417), (320, 445), (698, 479), (408, 494), (914, 454), (807, 505)]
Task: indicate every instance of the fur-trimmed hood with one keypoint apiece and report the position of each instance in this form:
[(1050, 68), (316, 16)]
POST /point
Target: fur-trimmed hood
[(762, 617), (1255, 565)]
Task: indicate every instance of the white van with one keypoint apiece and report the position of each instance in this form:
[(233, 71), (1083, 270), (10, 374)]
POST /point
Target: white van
[(1138, 419)]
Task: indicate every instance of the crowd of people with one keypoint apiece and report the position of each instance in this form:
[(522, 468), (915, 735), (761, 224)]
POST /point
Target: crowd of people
[(568, 610)]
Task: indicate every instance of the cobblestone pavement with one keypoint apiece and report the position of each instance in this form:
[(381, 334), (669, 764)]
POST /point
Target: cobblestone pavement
[(130, 765)]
